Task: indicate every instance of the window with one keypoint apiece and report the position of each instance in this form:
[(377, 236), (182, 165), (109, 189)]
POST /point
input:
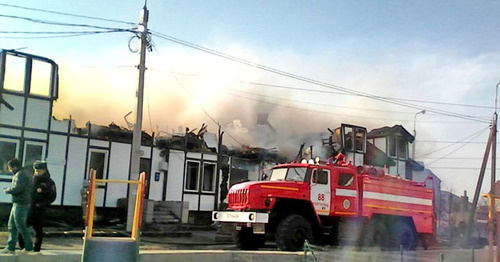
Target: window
[(392, 146), (346, 180), (98, 162), (348, 142), (192, 174), (402, 146), (208, 183), (33, 152), (320, 177), (299, 174), (41, 72), (360, 140), (40, 78), (14, 73), (8, 151), (398, 147)]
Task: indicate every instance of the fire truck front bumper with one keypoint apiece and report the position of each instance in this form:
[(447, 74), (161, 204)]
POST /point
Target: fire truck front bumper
[(240, 217)]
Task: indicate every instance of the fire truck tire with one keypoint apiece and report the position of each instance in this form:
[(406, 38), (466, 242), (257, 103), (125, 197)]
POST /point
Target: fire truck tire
[(375, 234), (245, 239), (292, 232), (404, 235)]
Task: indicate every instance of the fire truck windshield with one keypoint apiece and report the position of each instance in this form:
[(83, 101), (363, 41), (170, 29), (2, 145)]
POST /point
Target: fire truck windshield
[(299, 174)]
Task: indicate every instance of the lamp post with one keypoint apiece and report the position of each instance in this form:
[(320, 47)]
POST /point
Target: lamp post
[(415, 132)]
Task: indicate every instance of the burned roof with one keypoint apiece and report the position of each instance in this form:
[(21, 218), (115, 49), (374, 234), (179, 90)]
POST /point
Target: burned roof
[(397, 130)]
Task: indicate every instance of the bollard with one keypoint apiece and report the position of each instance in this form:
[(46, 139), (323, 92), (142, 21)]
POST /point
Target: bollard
[(441, 257), (473, 257), (401, 252)]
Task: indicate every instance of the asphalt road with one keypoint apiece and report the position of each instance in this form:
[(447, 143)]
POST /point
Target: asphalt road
[(211, 246)]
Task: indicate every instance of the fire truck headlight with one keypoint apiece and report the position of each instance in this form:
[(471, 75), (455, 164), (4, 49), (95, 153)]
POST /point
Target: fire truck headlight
[(251, 217), (267, 202)]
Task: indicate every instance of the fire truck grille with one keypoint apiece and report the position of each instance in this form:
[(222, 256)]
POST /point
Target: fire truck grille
[(238, 197)]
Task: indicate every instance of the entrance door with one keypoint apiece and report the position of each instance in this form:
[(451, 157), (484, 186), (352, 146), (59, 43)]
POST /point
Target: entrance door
[(320, 191)]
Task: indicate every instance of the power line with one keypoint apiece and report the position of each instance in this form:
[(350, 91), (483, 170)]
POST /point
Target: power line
[(461, 146), (45, 35), (341, 93), (57, 36), (67, 14), (318, 104), (315, 82), (40, 21), (206, 113), (474, 135), (460, 168), (322, 92), (449, 142), (312, 110), (262, 67)]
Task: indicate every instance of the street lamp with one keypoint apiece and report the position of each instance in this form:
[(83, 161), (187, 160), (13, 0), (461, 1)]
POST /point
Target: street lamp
[(415, 132)]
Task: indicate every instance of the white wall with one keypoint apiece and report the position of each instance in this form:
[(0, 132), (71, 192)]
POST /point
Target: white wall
[(207, 203), (156, 187), (56, 161), (38, 113), (119, 166), (381, 143), (75, 170), (12, 117), (175, 176)]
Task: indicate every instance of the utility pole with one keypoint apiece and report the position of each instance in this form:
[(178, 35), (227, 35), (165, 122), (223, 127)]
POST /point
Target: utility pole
[(135, 160), (491, 144)]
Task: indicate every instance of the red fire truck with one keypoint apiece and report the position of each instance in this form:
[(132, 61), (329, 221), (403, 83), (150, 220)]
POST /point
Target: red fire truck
[(326, 201)]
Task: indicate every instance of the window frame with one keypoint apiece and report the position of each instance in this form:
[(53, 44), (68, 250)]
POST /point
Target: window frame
[(402, 144), (16, 153), (392, 146), (105, 165), (315, 176), (214, 176), (34, 143), (197, 182), (352, 178)]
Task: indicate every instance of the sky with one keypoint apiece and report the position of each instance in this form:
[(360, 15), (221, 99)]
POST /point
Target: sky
[(309, 65)]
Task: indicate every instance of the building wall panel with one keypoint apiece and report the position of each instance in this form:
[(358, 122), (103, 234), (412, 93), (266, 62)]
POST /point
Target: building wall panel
[(77, 156), (207, 203), (10, 131), (12, 117), (38, 113), (175, 176), (193, 201), (119, 166), (56, 161), (156, 187), (35, 135)]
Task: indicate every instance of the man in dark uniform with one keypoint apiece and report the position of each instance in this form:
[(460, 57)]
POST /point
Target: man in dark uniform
[(43, 188)]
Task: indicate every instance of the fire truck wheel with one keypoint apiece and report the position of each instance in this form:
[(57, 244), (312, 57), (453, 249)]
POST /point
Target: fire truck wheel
[(245, 239), (375, 234), (404, 234), (292, 233)]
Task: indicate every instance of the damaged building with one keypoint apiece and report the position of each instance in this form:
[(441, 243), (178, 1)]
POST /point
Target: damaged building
[(188, 172)]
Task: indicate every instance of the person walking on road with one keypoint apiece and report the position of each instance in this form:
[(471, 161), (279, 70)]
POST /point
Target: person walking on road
[(20, 190), (43, 194)]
